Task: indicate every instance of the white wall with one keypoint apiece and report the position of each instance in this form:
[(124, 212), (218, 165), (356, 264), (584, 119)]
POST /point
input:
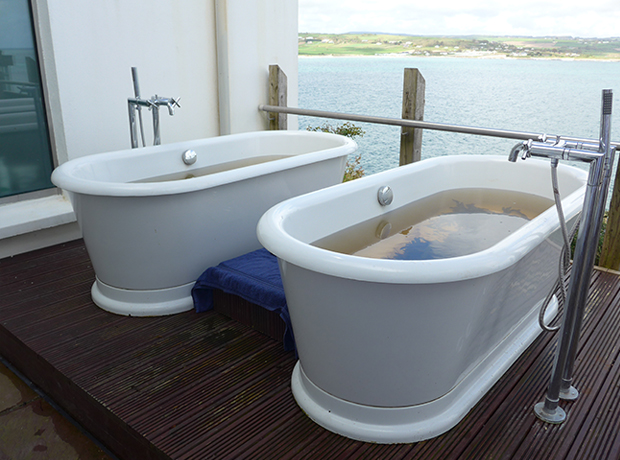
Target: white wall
[(175, 45), (87, 50), (95, 44), (251, 35)]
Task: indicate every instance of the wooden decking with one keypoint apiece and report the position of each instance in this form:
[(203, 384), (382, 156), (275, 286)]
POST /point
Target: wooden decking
[(202, 386)]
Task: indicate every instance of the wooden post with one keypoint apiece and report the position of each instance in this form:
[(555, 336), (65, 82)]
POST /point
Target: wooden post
[(413, 109), (610, 253), (277, 96)]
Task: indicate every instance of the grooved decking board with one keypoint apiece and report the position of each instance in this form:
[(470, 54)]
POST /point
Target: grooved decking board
[(200, 386)]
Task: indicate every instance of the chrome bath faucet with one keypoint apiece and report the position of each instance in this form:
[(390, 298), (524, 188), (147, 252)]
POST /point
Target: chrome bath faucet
[(135, 105)]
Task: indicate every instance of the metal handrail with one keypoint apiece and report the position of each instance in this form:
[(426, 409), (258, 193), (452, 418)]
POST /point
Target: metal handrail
[(506, 134)]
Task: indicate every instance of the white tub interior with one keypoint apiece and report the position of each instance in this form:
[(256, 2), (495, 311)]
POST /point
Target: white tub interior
[(463, 172), (116, 173)]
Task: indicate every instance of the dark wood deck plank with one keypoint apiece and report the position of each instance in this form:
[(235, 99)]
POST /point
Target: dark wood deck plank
[(194, 386), (92, 414), (11, 266), (36, 292), (514, 431), (229, 396), (598, 350), (132, 361), (604, 421)]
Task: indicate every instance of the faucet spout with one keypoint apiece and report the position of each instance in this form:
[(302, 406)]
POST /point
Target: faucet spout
[(514, 152), (169, 102), (517, 149), (559, 149)]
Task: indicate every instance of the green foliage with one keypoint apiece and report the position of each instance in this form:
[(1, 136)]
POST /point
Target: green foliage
[(599, 247), (601, 238), (353, 169), (345, 129), (317, 44)]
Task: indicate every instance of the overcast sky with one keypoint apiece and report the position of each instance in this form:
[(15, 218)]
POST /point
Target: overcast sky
[(577, 18)]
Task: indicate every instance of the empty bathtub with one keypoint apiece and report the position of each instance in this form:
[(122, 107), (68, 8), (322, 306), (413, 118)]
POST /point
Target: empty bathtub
[(153, 219), (400, 350)]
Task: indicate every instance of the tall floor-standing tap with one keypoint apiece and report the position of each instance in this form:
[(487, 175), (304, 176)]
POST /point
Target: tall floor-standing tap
[(135, 105), (138, 108), (601, 159)]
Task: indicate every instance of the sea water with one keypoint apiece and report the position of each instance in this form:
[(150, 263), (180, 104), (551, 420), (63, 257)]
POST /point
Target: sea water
[(542, 96), (448, 224)]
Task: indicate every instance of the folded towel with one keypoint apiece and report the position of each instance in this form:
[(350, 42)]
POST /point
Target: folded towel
[(254, 277)]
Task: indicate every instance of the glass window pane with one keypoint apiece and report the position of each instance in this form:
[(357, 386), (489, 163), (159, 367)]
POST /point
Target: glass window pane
[(25, 152)]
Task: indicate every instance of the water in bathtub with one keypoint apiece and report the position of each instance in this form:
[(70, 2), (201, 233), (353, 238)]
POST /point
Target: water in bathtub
[(213, 169), (448, 224)]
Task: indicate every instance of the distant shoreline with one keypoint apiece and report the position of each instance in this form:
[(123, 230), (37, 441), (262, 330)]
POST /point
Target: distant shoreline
[(473, 47), (453, 56)]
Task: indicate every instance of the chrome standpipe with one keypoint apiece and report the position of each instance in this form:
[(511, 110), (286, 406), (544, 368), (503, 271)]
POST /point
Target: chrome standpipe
[(135, 105), (601, 159), (567, 391), (138, 108)]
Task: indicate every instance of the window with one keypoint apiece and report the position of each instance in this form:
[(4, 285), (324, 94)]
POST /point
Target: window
[(25, 152)]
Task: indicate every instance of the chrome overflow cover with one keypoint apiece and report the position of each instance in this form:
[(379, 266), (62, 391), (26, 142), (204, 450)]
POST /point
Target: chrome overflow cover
[(384, 229), (385, 195), (189, 157)]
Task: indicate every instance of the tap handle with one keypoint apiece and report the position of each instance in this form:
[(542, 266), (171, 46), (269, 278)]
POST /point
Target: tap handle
[(527, 149), (136, 86), (607, 101), (171, 103)]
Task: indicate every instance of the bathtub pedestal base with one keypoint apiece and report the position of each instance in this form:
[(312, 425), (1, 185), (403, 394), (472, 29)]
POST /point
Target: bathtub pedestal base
[(151, 302), (387, 425)]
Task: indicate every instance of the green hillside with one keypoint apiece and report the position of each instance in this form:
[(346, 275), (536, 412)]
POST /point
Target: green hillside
[(311, 44)]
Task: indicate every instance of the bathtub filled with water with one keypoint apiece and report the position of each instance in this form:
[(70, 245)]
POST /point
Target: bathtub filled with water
[(412, 291), (153, 219)]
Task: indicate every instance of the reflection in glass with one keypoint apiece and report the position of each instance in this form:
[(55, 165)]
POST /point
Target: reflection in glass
[(25, 152)]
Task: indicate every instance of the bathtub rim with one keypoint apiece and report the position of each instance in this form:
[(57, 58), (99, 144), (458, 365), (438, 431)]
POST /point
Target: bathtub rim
[(273, 236), (66, 176)]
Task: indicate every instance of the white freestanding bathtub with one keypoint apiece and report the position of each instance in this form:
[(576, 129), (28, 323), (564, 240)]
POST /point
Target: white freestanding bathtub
[(400, 350), (151, 228)]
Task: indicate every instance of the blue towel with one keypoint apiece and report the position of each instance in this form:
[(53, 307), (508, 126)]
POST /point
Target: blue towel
[(254, 277)]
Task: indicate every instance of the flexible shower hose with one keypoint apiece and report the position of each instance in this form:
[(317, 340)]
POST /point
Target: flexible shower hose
[(559, 285)]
